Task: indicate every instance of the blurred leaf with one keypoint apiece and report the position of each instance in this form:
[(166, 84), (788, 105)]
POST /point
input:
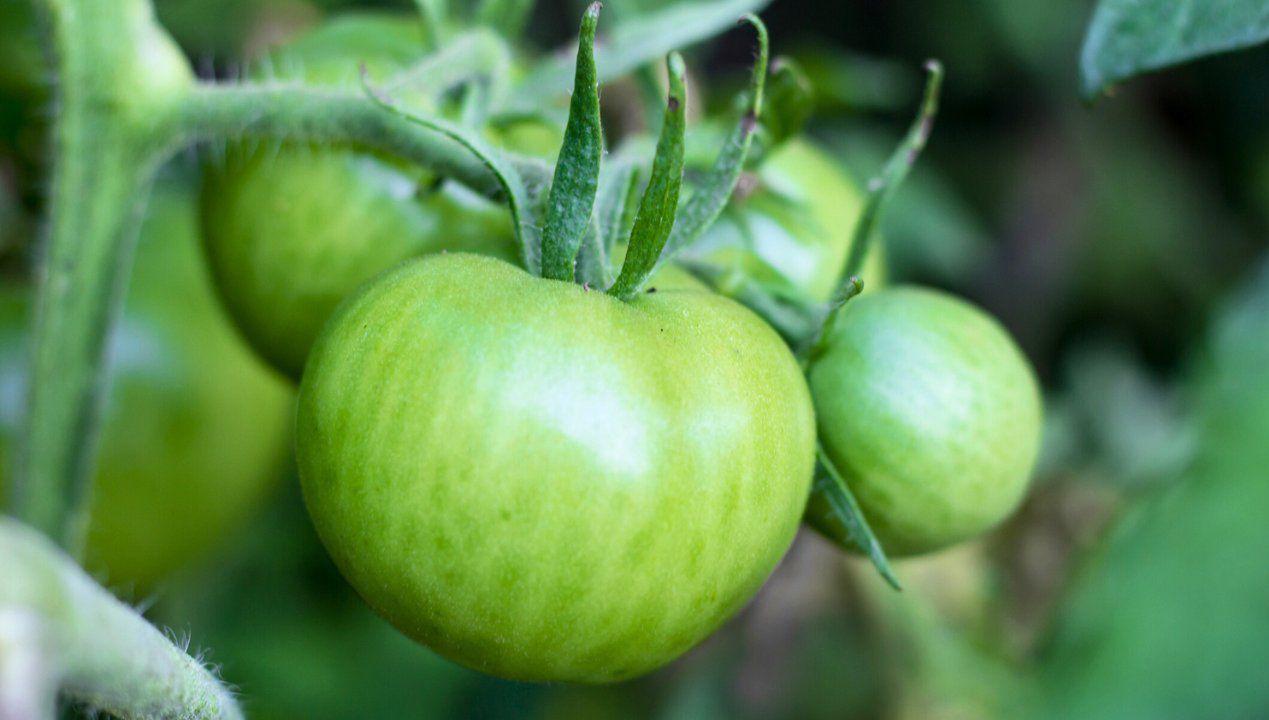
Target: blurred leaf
[(640, 40), (841, 80), (1171, 620), (1138, 430), (1130, 37)]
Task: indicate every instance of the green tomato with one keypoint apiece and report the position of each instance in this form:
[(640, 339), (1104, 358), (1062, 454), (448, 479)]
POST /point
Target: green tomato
[(792, 233), (543, 482), (291, 230), (196, 429), (930, 412)]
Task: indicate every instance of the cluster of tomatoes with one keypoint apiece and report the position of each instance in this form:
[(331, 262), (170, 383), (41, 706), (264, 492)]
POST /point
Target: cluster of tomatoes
[(532, 477)]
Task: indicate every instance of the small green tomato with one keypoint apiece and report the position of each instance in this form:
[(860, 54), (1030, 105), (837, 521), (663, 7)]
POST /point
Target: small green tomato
[(292, 229), (930, 412), (544, 482)]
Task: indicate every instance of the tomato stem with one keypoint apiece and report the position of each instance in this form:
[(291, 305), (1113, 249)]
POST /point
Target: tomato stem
[(884, 186), (73, 633)]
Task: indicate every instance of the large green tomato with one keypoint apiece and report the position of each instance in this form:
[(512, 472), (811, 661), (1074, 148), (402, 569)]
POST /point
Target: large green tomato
[(931, 413), (792, 232), (195, 430), (543, 482), (291, 230)]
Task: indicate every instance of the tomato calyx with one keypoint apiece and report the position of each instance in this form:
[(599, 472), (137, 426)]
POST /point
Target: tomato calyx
[(586, 210)]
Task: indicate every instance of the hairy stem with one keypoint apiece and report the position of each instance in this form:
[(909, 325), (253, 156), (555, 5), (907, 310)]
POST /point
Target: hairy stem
[(74, 634), (118, 76), (300, 114)]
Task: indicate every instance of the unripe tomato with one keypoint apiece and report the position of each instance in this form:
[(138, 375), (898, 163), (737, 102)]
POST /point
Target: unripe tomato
[(931, 413), (792, 232), (291, 230), (546, 483), (195, 428)]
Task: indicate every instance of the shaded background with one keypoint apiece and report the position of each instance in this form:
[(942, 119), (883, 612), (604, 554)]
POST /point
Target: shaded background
[(1119, 242)]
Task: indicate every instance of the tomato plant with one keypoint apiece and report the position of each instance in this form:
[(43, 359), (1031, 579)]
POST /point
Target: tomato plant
[(565, 487), (196, 428), (929, 411)]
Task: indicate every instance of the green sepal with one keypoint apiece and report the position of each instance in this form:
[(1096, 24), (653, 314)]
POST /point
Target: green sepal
[(883, 187), (835, 513), (576, 179), (660, 201), (505, 174), (711, 196)]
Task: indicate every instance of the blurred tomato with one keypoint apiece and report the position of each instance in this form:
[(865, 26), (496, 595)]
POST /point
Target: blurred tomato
[(195, 429)]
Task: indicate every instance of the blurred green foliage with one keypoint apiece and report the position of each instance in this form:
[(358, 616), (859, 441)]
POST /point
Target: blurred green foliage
[(1170, 619)]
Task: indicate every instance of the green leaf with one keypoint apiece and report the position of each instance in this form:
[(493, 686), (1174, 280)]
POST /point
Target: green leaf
[(883, 187), (577, 170), (637, 42), (715, 189), (834, 511), (1131, 37), (508, 176), (661, 198)]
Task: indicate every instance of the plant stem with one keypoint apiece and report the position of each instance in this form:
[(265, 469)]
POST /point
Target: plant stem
[(100, 651), (118, 76), (299, 114)]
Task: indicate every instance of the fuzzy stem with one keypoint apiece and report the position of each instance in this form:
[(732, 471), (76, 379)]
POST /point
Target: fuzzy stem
[(100, 651), (118, 76), (300, 114)]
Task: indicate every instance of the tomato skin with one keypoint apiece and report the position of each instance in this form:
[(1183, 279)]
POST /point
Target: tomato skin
[(930, 412), (793, 233), (291, 229), (542, 482), (195, 429)]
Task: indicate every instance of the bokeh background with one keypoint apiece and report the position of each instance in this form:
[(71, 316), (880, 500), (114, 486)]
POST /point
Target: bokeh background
[(1122, 243)]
